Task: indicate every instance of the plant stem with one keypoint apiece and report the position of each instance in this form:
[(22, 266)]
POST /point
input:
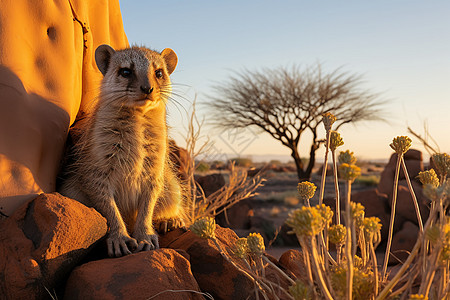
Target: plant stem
[(348, 243), (391, 223), (336, 188), (318, 271), (305, 254), (408, 261), (402, 270), (374, 266), (279, 271), (260, 285), (413, 195), (324, 168)]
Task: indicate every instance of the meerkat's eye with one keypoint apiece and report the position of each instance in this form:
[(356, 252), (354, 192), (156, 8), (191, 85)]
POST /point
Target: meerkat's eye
[(125, 72), (159, 73)]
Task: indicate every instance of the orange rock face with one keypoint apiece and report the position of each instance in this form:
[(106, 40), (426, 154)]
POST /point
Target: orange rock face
[(293, 261), (47, 77), (42, 242), (137, 276), (214, 274)]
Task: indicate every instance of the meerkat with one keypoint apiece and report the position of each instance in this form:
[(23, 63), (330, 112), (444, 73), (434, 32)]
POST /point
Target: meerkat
[(122, 165)]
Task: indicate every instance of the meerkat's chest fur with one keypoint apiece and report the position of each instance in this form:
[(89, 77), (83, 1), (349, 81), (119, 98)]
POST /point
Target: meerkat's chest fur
[(130, 148)]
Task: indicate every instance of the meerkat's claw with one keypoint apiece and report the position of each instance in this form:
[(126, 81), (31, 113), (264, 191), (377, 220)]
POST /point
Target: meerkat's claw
[(164, 226), (149, 243), (120, 245)]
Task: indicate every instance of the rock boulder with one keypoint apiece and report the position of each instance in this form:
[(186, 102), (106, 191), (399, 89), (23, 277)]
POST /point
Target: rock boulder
[(42, 242)]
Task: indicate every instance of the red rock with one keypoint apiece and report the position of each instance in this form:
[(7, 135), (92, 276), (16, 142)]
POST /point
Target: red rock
[(386, 183), (413, 154), (138, 276), (42, 242), (292, 260), (214, 274), (211, 183), (236, 217), (403, 242), (376, 205), (414, 165), (405, 205)]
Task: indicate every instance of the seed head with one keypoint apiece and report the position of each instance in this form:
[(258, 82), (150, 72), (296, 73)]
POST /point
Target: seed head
[(442, 163), (357, 212), (300, 291), (429, 177), (445, 254), (204, 227), (306, 190), (255, 244), (401, 144), (372, 226), (347, 157), (417, 297), (305, 221), (326, 213), (241, 248), (362, 282), (335, 140), (337, 233), (349, 172), (328, 120)]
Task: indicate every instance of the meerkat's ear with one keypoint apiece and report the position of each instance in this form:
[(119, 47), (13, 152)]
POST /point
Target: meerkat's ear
[(170, 58), (103, 55)]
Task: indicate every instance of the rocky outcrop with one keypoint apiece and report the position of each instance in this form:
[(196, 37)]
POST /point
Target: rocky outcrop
[(414, 164), (213, 272), (158, 274), (42, 242), (211, 183), (52, 246)]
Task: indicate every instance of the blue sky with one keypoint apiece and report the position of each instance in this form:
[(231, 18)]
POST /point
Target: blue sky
[(402, 49)]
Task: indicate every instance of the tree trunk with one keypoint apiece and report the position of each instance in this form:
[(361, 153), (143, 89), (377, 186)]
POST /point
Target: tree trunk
[(312, 153), (301, 174)]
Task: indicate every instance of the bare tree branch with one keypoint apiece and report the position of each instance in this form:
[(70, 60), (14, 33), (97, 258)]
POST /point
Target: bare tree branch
[(285, 102)]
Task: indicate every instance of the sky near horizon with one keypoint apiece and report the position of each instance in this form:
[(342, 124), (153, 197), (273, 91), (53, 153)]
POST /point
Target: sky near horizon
[(401, 48)]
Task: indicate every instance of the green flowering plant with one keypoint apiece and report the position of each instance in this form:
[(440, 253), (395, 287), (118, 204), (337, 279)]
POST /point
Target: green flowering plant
[(401, 144), (255, 244), (306, 221), (429, 177), (241, 248), (328, 119), (346, 157), (335, 140), (337, 234), (306, 190), (442, 163), (349, 172), (300, 291), (204, 227)]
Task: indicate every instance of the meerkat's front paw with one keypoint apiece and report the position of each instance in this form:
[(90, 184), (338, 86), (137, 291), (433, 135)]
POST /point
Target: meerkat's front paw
[(146, 242), (166, 225), (120, 244)]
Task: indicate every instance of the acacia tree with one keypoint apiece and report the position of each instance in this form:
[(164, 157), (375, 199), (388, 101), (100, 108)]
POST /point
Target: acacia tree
[(286, 102)]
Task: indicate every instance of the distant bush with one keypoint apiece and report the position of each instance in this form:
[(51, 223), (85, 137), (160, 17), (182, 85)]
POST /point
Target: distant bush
[(202, 167), (241, 162), (368, 180)]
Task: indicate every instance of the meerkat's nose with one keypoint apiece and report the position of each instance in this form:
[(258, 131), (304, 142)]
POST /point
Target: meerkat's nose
[(146, 90)]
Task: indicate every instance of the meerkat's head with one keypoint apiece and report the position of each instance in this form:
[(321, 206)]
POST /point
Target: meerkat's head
[(137, 76)]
